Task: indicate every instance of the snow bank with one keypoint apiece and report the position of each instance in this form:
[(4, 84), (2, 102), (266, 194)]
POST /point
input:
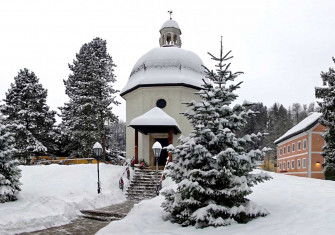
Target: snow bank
[(53, 195), (296, 205)]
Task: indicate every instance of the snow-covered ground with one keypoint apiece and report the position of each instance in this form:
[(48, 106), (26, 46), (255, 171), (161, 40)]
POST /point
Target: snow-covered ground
[(52, 195), (297, 206)]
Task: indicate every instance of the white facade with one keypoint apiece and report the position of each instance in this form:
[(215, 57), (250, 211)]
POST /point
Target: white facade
[(169, 73)]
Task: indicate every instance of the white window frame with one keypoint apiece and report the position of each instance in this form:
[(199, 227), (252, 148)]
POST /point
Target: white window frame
[(293, 147), (288, 165), (288, 148), (293, 164), (299, 145), (298, 163), (304, 145), (284, 165), (304, 163)]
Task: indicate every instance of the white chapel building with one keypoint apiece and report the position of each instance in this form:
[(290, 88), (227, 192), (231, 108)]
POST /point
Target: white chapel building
[(159, 84)]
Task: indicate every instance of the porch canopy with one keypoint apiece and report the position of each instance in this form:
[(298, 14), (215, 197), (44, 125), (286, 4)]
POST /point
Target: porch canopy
[(155, 121)]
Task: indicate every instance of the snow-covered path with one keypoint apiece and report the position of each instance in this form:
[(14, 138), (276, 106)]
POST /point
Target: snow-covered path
[(53, 195), (297, 206)]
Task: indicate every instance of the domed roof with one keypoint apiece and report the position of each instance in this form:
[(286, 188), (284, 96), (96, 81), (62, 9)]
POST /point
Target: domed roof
[(170, 24), (166, 66)]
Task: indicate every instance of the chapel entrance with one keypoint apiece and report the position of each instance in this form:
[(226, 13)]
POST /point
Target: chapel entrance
[(160, 127), (164, 154)]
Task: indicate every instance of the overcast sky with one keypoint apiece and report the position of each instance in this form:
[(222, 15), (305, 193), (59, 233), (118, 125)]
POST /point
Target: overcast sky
[(280, 45)]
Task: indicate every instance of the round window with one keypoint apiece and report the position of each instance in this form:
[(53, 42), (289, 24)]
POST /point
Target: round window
[(161, 103)]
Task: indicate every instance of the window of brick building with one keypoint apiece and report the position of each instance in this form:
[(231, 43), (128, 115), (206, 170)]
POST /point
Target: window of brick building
[(284, 149), (305, 144), (288, 164), (292, 164), (304, 163), (299, 145), (288, 148), (293, 147), (298, 163)]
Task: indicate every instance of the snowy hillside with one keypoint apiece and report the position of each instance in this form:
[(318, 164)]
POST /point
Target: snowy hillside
[(52, 195), (296, 205)]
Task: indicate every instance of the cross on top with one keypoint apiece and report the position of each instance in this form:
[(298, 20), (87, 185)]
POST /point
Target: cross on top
[(170, 12)]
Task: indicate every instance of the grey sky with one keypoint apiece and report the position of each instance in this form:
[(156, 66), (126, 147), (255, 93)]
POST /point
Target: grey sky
[(280, 45)]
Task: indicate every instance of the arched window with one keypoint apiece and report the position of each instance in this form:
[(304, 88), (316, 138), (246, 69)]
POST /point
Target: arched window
[(175, 39), (168, 38)]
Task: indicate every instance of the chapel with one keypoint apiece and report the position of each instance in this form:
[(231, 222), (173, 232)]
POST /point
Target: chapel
[(160, 83)]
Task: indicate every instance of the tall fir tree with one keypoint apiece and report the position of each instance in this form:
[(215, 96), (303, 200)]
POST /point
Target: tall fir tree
[(28, 116), (327, 105), (9, 172), (256, 123), (91, 94), (213, 166)]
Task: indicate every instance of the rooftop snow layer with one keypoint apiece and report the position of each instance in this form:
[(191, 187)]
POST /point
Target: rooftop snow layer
[(166, 65), (154, 117), (170, 24), (300, 127)]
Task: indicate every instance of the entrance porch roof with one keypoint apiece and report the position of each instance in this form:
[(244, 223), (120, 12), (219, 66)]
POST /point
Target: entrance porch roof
[(155, 121)]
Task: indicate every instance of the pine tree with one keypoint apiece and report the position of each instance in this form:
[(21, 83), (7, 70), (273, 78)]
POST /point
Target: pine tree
[(213, 166), (327, 119), (256, 123), (28, 116), (9, 172), (91, 94)]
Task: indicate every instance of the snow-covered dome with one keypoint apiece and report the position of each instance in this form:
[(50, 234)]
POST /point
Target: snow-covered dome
[(166, 66), (170, 24)]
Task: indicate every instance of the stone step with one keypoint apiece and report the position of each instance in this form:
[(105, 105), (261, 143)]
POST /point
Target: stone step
[(145, 181), (147, 177), (136, 198), (143, 187), (102, 213), (141, 193), (142, 190), (100, 218)]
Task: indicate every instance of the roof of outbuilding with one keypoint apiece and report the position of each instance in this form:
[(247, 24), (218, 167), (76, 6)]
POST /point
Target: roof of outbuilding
[(302, 126)]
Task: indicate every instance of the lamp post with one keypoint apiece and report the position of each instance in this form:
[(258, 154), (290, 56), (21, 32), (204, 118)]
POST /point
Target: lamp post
[(157, 148), (97, 150)]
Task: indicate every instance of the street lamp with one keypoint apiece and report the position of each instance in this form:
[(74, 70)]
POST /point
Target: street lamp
[(97, 150), (157, 148)]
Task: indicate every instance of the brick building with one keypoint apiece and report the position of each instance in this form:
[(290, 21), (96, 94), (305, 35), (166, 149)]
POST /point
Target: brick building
[(299, 149)]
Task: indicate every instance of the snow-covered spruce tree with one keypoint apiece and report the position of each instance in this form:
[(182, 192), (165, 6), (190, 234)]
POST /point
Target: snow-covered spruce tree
[(213, 166), (9, 172), (91, 94), (327, 94), (28, 116)]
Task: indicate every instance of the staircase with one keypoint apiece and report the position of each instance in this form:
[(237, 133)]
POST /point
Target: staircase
[(143, 184)]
